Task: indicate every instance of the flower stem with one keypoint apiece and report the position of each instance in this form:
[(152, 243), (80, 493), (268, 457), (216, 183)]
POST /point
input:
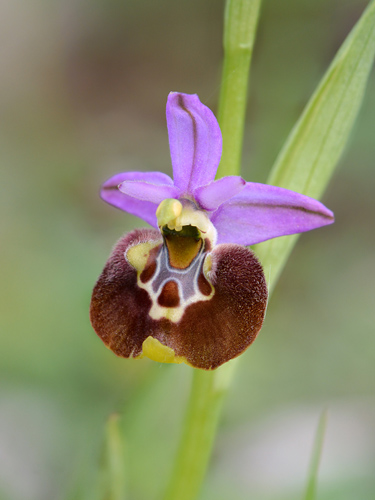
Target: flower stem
[(327, 108), (209, 388), (240, 23), (204, 406)]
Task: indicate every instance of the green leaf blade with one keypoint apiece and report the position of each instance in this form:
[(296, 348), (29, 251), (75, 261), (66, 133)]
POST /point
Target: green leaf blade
[(311, 152), (307, 161)]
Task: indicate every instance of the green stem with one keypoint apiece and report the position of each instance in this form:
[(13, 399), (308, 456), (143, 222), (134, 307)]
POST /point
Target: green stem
[(209, 388), (337, 97), (240, 23), (204, 406)]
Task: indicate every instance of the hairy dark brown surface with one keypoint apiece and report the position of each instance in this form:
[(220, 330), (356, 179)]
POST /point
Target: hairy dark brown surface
[(215, 331), (119, 308), (209, 333)]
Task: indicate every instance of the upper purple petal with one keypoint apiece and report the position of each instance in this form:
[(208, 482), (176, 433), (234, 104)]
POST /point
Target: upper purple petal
[(194, 141), (144, 209), (260, 212), (211, 196)]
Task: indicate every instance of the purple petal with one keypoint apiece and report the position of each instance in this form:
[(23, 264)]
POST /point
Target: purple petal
[(260, 212), (144, 209), (210, 197), (142, 190), (194, 141)]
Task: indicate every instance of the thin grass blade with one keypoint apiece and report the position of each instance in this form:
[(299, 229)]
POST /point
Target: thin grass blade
[(113, 467), (316, 458)]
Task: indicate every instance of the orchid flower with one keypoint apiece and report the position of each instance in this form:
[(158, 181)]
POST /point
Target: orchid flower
[(189, 290)]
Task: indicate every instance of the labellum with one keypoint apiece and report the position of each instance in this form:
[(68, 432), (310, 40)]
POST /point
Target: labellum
[(174, 296)]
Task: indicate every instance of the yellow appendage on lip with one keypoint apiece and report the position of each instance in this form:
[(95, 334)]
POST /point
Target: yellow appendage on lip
[(137, 255), (155, 350)]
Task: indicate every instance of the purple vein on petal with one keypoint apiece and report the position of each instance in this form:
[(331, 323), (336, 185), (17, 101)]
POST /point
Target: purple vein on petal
[(260, 212)]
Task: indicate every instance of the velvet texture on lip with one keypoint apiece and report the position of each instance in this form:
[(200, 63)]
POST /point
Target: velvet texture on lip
[(189, 290)]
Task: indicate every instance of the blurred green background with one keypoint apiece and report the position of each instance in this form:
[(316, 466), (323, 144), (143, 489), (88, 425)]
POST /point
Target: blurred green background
[(83, 87)]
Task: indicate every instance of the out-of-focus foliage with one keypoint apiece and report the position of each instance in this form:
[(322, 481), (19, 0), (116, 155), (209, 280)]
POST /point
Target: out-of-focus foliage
[(83, 87)]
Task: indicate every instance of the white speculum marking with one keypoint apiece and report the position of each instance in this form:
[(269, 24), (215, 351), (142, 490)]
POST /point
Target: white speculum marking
[(185, 279), (181, 218)]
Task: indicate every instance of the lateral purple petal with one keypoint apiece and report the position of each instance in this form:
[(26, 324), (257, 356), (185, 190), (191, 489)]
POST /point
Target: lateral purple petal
[(194, 141), (260, 212), (211, 196), (144, 209)]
